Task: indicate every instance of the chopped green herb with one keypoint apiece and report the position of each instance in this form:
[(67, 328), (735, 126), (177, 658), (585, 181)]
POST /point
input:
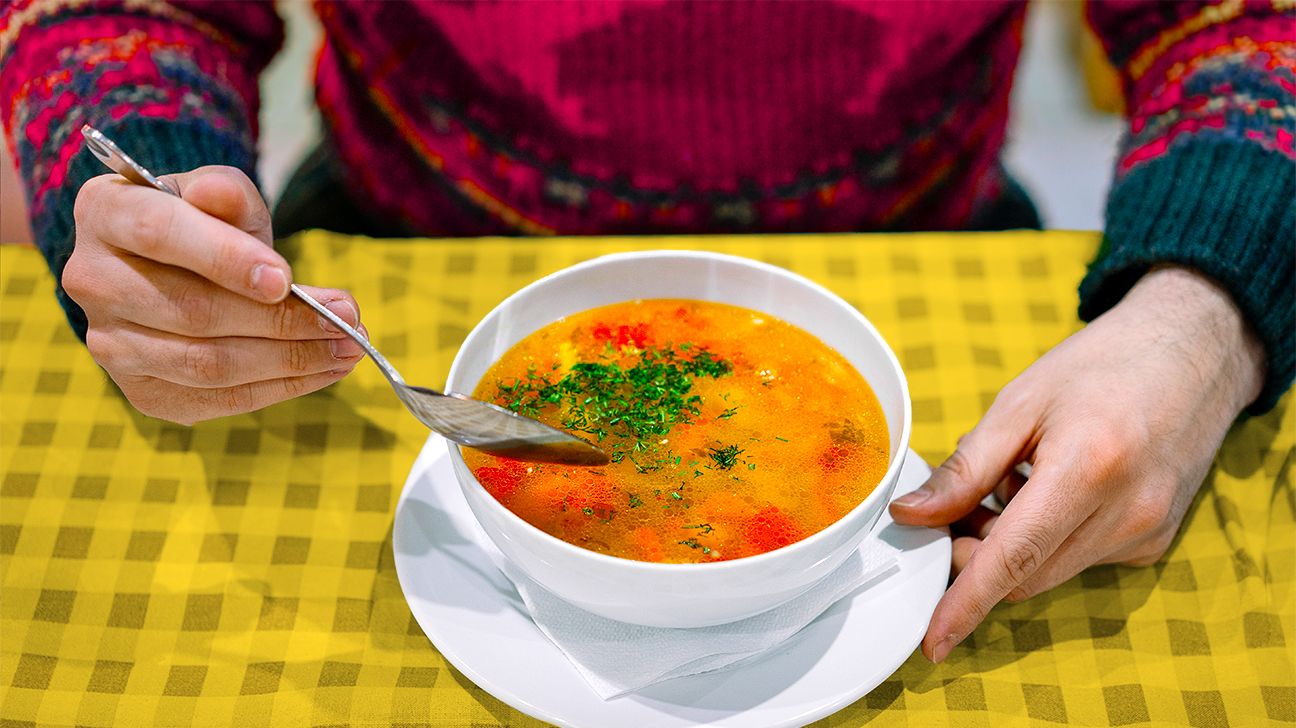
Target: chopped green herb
[(782, 439), (751, 466), (605, 399), (634, 501), (706, 527), (587, 511), (693, 544), (725, 457), (727, 413)]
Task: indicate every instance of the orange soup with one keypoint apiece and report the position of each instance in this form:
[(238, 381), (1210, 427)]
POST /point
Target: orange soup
[(731, 433)]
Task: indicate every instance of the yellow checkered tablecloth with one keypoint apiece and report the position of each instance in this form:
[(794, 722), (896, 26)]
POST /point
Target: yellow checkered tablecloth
[(240, 572)]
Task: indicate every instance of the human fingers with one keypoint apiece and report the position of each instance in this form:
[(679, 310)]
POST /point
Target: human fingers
[(977, 523), (969, 531), (1027, 533), (961, 550), (211, 363), (981, 460), (1010, 485), (188, 405), (226, 193), (178, 301), (154, 225), (1138, 534)]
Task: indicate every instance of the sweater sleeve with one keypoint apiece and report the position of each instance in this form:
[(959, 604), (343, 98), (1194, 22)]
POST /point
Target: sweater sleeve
[(1206, 171), (174, 84)]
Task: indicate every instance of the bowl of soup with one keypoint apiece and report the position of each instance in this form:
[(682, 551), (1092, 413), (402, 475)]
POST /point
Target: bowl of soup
[(755, 423)]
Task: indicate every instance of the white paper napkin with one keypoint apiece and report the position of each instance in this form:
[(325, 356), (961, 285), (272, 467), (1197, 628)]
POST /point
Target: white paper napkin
[(616, 658)]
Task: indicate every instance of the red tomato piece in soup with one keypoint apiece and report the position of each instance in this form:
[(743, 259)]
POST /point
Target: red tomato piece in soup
[(623, 335), (771, 529)]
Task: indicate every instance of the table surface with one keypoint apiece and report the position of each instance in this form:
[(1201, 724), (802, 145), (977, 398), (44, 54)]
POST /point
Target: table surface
[(240, 571)]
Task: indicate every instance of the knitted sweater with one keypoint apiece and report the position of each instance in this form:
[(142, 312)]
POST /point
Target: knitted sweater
[(638, 117)]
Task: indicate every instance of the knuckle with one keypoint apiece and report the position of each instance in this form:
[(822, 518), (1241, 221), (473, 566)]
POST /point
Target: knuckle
[(297, 357), (195, 308), (1011, 398), (1109, 453), (152, 226), (235, 400), (234, 174), (76, 280), (958, 464), (101, 346), (148, 403), (88, 197), (296, 386), (207, 363), (1148, 514), (1023, 555), (288, 319)]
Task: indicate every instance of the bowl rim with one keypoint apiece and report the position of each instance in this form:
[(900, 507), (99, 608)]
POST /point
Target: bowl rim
[(899, 449)]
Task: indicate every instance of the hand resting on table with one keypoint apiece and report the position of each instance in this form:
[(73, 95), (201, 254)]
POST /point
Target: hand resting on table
[(1120, 421)]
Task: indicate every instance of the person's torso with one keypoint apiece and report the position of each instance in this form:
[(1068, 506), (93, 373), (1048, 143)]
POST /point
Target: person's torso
[(592, 117)]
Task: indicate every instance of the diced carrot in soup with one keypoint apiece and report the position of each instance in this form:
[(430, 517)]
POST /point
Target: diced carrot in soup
[(714, 417), (648, 544)]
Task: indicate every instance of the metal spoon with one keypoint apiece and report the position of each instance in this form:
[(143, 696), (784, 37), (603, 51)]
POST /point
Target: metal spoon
[(459, 418)]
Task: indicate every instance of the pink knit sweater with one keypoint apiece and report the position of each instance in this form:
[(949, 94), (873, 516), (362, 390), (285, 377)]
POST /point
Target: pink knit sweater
[(664, 116)]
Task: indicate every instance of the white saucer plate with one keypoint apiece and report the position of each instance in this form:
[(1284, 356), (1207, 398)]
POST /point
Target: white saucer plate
[(472, 614)]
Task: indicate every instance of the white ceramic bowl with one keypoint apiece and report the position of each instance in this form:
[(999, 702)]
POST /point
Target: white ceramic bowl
[(682, 595)]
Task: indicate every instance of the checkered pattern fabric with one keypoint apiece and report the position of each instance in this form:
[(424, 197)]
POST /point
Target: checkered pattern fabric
[(240, 572)]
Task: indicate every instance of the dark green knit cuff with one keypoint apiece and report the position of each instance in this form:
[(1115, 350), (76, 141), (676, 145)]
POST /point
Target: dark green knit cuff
[(161, 145), (1224, 207)]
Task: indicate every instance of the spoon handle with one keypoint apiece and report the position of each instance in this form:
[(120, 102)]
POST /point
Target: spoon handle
[(118, 161), (388, 370)]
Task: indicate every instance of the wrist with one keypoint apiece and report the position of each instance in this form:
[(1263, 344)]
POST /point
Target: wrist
[(1203, 317)]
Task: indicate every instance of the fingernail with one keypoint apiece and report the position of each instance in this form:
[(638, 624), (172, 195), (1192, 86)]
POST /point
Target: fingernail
[(269, 281), (343, 310), (345, 349), (943, 648), (915, 498)]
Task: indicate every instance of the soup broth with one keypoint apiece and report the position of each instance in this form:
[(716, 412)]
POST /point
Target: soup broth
[(731, 432)]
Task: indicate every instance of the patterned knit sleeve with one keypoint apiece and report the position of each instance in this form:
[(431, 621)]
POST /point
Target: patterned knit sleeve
[(1206, 172), (175, 84)]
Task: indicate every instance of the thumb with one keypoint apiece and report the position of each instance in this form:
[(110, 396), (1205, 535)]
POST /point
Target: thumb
[(983, 457), (226, 193)]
